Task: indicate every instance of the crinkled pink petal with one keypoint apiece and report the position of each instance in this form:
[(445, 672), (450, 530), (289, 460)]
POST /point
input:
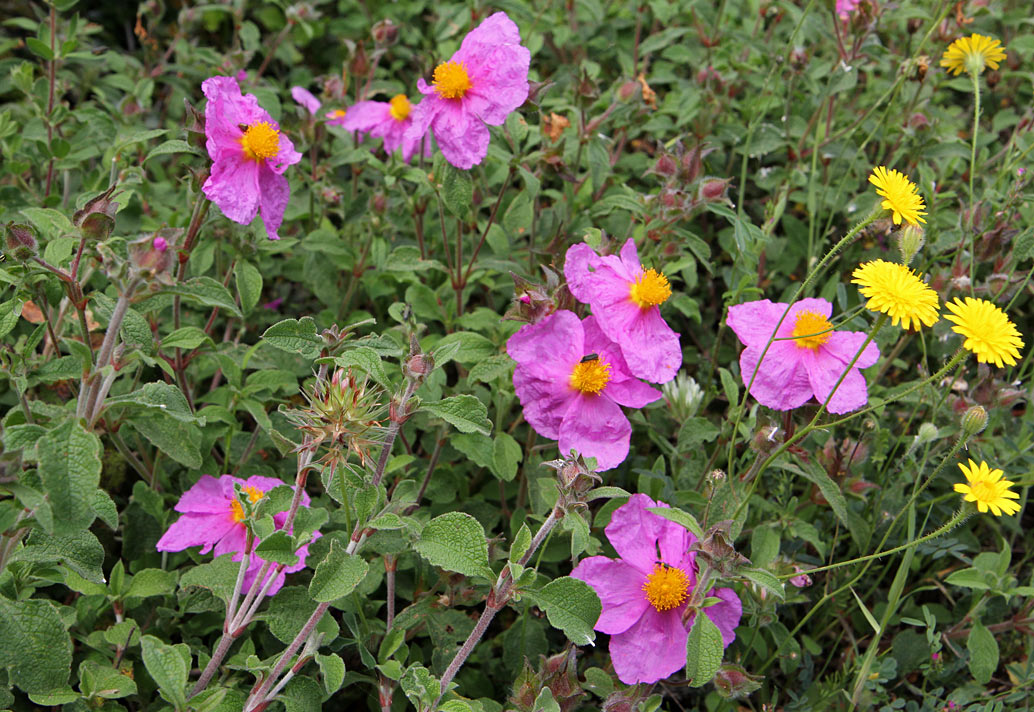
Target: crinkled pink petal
[(782, 382), (206, 496), (651, 348), (843, 345), (234, 187), (411, 144), (233, 542), (754, 322), (498, 68), (579, 264), (620, 588), (264, 484), (304, 97), (226, 110), (596, 342), (629, 257), (203, 530), (549, 349), (545, 403), (726, 615), (594, 426), (633, 532), (462, 137), (367, 116), (274, 194), (286, 156), (632, 393), (824, 371), (652, 649)]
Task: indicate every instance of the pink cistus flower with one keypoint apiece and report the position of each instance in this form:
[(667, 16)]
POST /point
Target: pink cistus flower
[(645, 593), (846, 7), (389, 120), (480, 84), (807, 362), (572, 381), (213, 519), (625, 298), (249, 156), (304, 97)]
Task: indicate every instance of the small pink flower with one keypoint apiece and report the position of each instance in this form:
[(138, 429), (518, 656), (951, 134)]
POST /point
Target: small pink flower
[(160, 244), (273, 305), (846, 7), (571, 381), (389, 120), (625, 299), (214, 519), (249, 155), (808, 363), (480, 84), (304, 97), (645, 593)]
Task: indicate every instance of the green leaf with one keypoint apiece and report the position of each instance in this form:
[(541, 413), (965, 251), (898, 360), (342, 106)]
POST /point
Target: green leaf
[(171, 146), (472, 348), (332, 670), (216, 576), (249, 284), (70, 468), (39, 48), (278, 548), (766, 580), (51, 223), (157, 398), (683, 519), (34, 645), (368, 361), (521, 543), (455, 541), (104, 681), (704, 651), (572, 606), (168, 666), (464, 412), (9, 313), (829, 489), (457, 190), (506, 453), (983, 653), (487, 370), (337, 575), (180, 441), (81, 552), (968, 578), (152, 582), (206, 292), (295, 336), (187, 337)]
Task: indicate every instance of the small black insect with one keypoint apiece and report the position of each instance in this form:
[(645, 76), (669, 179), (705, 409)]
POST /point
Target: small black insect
[(590, 357)]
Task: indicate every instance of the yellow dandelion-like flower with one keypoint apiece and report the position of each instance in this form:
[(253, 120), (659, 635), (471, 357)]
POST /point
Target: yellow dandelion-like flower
[(987, 488), (900, 195), (895, 290), (972, 54), (989, 333)]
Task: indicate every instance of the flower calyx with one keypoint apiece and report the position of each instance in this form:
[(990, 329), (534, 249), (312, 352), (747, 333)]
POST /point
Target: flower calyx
[(717, 551)]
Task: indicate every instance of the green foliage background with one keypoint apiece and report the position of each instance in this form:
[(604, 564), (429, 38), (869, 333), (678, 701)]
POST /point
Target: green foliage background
[(773, 114)]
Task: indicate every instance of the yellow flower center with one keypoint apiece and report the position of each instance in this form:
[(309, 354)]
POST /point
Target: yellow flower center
[(399, 107), (807, 328), (261, 141), (336, 114), (590, 376), (254, 495), (985, 491), (666, 587), (451, 80), (650, 289)]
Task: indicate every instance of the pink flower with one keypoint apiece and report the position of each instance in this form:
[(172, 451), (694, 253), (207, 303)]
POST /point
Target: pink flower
[(480, 84), (572, 381), (160, 244), (304, 97), (249, 156), (808, 363), (389, 120), (625, 298), (274, 305), (846, 7), (214, 519), (645, 593)]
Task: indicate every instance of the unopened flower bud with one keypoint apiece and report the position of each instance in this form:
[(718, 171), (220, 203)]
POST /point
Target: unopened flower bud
[(712, 190), (160, 243), (21, 241), (385, 32), (733, 682), (666, 166), (910, 241), (683, 396), (927, 433), (974, 421), (418, 366)]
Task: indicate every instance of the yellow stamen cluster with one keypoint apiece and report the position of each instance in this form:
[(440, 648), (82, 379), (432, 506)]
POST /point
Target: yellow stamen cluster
[(972, 54), (901, 196), (451, 80), (811, 330), (261, 141), (590, 376), (399, 107), (893, 289), (336, 114), (989, 333), (254, 495), (987, 488), (649, 289), (666, 587)]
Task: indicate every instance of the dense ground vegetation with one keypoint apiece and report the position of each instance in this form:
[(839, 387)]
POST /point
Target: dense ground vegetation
[(411, 433)]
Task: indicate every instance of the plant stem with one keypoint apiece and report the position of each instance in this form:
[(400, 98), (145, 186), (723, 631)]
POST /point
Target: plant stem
[(491, 220), (257, 698), (88, 396), (972, 171)]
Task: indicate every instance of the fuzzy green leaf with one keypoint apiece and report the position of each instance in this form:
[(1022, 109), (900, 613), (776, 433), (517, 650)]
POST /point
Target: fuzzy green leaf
[(70, 467), (704, 651), (168, 666), (983, 653), (464, 412), (572, 606), (34, 645), (455, 541), (297, 336), (337, 575)]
